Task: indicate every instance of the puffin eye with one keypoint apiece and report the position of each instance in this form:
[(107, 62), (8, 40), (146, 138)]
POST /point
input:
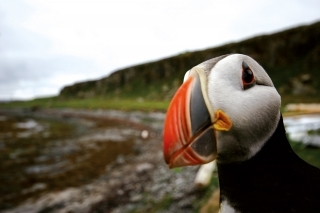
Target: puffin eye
[(247, 76)]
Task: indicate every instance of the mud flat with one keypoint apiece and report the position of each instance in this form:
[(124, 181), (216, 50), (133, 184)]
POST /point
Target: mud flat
[(101, 161)]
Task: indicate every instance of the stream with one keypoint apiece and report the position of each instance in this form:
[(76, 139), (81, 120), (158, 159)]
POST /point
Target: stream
[(304, 129)]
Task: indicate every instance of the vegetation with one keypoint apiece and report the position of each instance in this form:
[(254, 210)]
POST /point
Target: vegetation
[(92, 103), (310, 155), (126, 104), (290, 57)]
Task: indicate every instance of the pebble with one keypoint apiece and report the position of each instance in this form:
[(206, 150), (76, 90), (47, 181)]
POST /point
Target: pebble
[(143, 167)]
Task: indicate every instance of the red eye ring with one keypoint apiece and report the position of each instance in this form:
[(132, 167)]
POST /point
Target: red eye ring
[(247, 76)]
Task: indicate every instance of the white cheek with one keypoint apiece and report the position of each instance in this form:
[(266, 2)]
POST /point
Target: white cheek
[(254, 115), (224, 92), (254, 112)]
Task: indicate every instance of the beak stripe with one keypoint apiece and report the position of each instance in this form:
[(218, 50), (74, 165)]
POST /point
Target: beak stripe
[(191, 124), (185, 155), (177, 133), (200, 116), (184, 117), (181, 123)]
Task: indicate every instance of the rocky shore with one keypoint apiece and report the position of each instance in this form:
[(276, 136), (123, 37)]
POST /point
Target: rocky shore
[(136, 182)]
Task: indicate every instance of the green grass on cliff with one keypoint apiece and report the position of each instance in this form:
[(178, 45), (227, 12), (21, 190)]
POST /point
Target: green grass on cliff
[(126, 104), (94, 103), (291, 58)]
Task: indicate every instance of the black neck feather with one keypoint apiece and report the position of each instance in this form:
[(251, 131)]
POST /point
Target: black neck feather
[(274, 180)]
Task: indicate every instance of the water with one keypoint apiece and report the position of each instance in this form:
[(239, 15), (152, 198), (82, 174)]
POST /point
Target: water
[(304, 129), (38, 155)]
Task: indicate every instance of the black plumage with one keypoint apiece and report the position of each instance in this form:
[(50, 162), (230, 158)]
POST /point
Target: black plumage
[(274, 180)]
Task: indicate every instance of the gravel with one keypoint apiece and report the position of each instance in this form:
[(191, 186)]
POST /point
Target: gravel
[(139, 182)]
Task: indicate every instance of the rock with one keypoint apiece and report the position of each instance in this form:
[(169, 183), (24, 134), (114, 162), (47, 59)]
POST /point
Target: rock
[(143, 167), (136, 198), (35, 187), (144, 134)]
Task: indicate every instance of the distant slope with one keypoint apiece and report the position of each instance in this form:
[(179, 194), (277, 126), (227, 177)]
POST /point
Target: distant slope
[(291, 58)]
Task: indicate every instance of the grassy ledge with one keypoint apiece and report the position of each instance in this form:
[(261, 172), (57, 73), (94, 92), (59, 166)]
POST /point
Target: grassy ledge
[(126, 104), (94, 103)]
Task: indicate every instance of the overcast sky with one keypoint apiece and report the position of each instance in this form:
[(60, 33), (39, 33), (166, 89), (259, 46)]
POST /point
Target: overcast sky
[(47, 44)]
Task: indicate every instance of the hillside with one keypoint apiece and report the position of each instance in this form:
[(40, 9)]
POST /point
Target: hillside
[(291, 58)]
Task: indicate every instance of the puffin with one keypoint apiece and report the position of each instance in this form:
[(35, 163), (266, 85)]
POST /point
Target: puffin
[(228, 110)]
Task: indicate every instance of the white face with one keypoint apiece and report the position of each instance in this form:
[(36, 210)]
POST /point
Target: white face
[(254, 110)]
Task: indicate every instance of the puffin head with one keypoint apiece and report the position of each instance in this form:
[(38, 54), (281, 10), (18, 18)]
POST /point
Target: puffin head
[(226, 109)]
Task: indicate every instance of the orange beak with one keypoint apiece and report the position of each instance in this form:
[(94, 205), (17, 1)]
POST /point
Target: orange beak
[(190, 125)]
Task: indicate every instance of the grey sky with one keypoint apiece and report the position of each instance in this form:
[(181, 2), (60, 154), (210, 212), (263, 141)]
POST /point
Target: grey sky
[(45, 45)]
